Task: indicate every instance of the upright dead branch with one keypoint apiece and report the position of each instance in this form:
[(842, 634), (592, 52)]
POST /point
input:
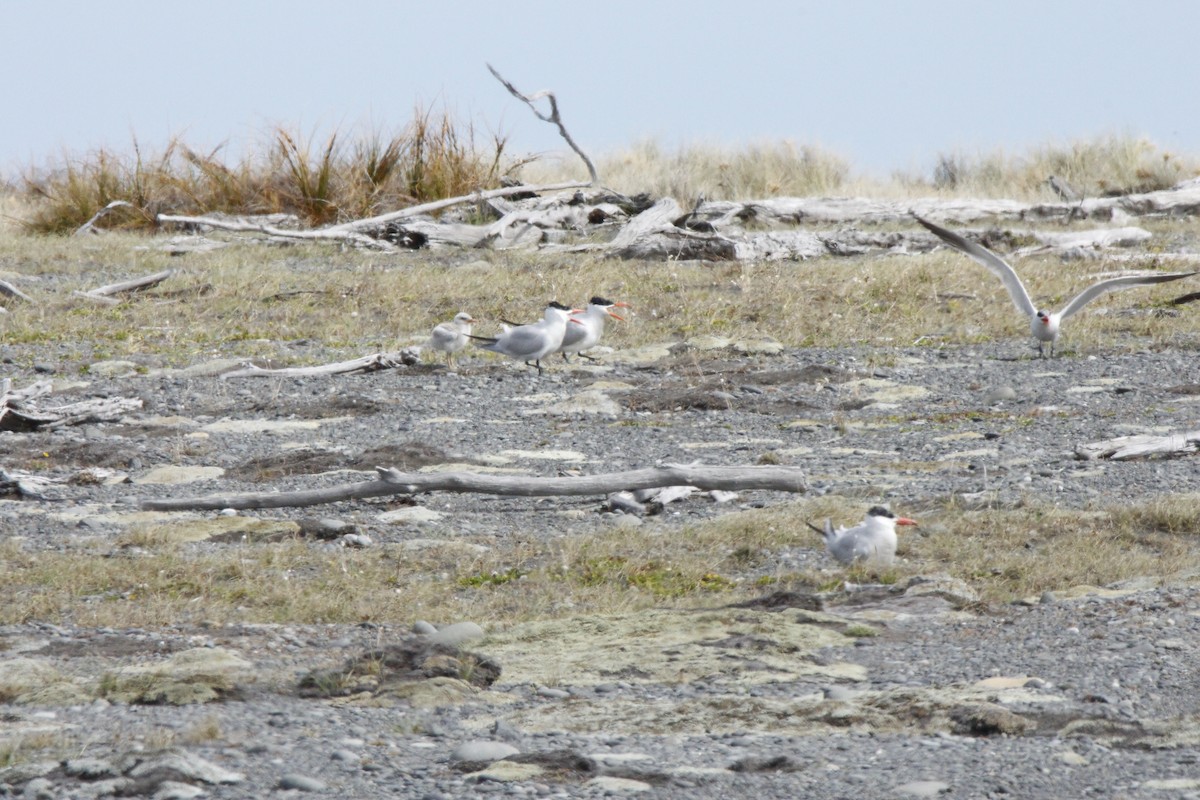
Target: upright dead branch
[(553, 118), (776, 478)]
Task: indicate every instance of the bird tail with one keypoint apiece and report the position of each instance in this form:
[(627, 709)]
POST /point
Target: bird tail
[(825, 534), (486, 339)]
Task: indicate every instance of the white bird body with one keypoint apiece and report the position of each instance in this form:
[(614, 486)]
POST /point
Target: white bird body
[(1044, 325), (871, 541), (531, 343), (590, 326), (450, 337)]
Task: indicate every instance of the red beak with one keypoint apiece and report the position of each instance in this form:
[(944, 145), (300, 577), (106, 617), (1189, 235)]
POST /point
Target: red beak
[(906, 521)]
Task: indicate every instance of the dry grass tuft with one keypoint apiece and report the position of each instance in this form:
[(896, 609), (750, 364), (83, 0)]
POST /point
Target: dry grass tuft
[(1106, 165), (338, 178)]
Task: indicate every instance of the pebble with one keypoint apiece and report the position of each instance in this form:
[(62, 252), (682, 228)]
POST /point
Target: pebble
[(424, 628)]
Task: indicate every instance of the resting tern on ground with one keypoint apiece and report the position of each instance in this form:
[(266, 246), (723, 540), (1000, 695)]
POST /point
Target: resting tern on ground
[(532, 343), (450, 337), (873, 540), (1043, 324), (590, 328)]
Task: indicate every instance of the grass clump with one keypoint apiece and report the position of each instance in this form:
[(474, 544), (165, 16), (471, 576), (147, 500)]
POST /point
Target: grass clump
[(321, 181), (1103, 166)]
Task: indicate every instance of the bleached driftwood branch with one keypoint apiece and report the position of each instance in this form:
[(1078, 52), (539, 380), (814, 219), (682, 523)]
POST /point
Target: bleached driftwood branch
[(9, 290), (773, 478), (19, 412), (553, 118), (90, 225), (371, 363), (335, 233), (134, 285), (1124, 448)]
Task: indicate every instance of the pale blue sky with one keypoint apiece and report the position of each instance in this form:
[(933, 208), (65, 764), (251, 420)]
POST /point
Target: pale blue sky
[(887, 85)]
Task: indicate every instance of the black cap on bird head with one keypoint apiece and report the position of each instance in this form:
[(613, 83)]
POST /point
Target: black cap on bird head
[(558, 305), (880, 511), (600, 301)]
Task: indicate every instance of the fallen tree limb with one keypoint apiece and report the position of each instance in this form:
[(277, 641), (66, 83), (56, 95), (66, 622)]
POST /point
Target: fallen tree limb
[(9, 290), (134, 285), (343, 234), (1124, 448), (391, 481), (371, 363)]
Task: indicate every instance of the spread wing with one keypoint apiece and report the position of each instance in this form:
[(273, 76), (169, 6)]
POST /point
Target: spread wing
[(998, 266), (1096, 289)]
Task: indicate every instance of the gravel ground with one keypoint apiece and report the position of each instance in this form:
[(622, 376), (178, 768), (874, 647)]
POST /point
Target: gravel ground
[(1089, 693)]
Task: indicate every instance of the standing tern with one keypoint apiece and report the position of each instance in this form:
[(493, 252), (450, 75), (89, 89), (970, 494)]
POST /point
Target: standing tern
[(532, 343), (450, 337), (872, 540), (590, 328), (1043, 324)]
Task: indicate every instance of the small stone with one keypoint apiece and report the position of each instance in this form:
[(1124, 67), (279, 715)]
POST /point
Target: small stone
[(40, 789), (303, 783), (1073, 759), (553, 694), (424, 628), (346, 756), (482, 750)]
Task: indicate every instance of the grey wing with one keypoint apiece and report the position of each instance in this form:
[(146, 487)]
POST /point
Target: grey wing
[(524, 341), (997, 265), (1096, 289), (443, 337), (849, 548)]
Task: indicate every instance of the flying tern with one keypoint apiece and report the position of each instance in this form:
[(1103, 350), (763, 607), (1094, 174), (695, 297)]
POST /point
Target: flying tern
[(590, 328), (1044, 325), (873, 540), (532, 343), (450, 337)]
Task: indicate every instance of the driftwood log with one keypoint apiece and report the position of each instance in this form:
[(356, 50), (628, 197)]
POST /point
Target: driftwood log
[(391, 481), (1125, 448), (19, 410), (372, 363)]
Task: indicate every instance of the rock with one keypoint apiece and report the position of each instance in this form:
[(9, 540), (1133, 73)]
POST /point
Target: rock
[(89, 769), (999, 394), (506, 771), (191, 676), (482, 750), (303, 783), (457, 634), (609, 783), (174, 790), (112, 369), (424, 628), (414, 515), (923, 788), (180, 763), (174, 475)]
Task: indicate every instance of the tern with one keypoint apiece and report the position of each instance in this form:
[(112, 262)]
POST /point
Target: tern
[(450, 337), (1044, 325), (590, 328), (872, 540), (532, 343)]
